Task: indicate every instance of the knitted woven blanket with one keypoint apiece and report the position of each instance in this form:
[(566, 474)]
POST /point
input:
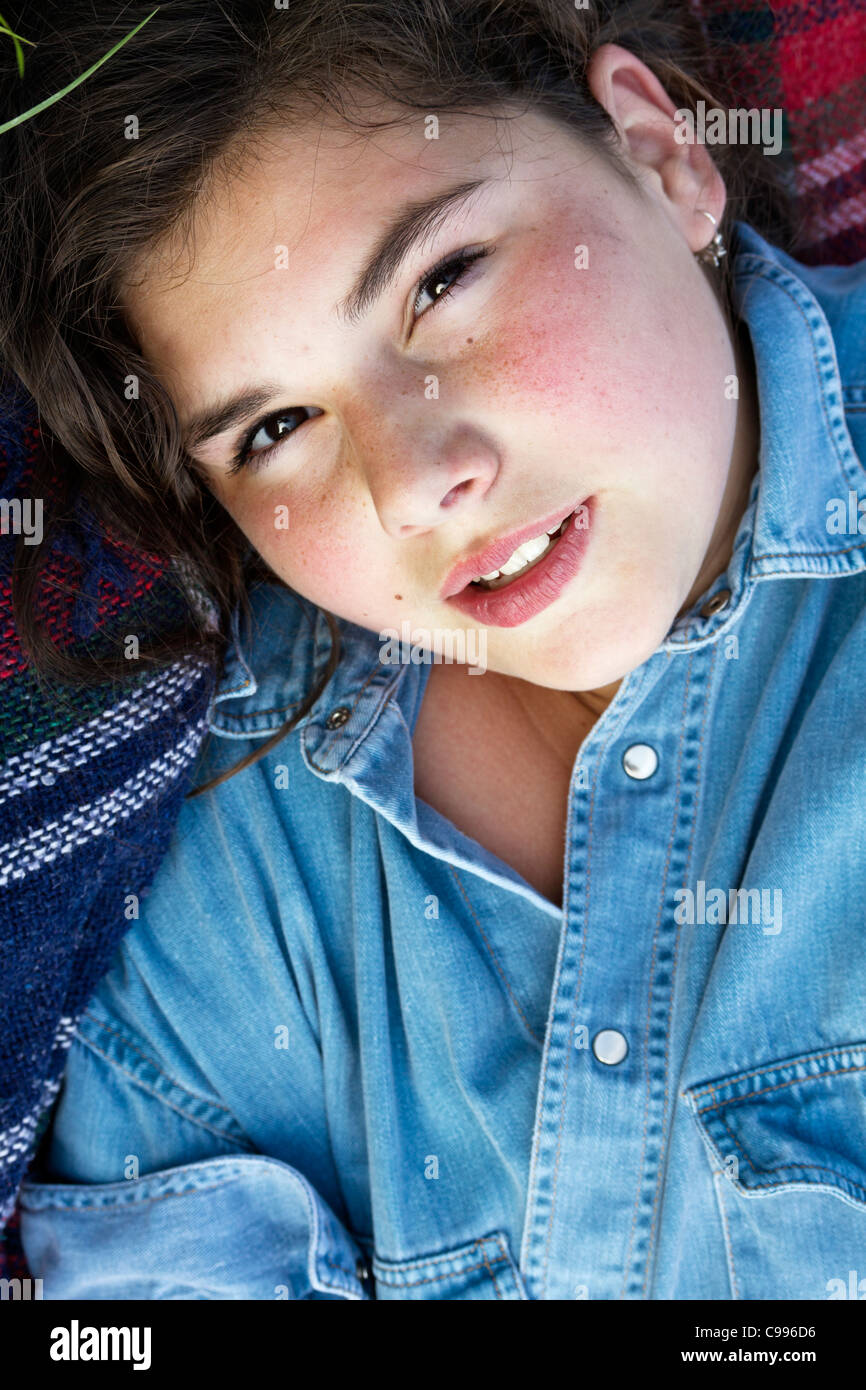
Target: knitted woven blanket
[(91, 782)]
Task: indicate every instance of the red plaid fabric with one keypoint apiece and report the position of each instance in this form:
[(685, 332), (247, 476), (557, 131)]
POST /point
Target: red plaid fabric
[(807, 57)]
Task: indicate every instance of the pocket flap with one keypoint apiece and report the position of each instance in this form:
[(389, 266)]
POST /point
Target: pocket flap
[(801, 1120), (247, 1226)]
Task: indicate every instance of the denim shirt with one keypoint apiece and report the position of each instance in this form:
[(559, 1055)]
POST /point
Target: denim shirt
[(344, 1051)]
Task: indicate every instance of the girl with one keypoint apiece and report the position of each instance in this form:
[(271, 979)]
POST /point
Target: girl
[(510, 947)]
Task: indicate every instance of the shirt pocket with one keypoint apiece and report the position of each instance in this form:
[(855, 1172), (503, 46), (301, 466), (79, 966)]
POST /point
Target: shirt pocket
[(478, 1269), (241, 1227), (787, 1145)]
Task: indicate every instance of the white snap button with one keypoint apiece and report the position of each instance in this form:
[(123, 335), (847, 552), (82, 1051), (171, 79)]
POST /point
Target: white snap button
[(609, 1046), (640, 761)]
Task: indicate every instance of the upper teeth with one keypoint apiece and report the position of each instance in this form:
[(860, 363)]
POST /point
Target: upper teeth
[(524, 554)]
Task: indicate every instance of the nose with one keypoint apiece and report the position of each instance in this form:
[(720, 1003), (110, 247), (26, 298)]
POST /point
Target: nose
[(420, 468)]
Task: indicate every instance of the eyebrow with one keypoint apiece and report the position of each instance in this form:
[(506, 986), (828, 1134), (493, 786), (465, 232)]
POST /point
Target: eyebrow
[(414, 222), (220, 415)]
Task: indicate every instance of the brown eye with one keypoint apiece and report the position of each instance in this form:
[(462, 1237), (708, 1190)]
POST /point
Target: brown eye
[(269, 434), (444, 278)]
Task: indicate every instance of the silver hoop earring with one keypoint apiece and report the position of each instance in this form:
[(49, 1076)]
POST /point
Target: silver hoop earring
[(712, 253)]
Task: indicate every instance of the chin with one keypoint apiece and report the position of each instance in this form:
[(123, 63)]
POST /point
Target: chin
[(591, 664)]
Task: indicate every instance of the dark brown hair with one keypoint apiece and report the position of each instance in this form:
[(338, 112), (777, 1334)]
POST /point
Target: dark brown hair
[(82, 203)]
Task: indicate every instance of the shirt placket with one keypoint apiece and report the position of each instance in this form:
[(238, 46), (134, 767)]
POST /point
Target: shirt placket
[(605, 1091)]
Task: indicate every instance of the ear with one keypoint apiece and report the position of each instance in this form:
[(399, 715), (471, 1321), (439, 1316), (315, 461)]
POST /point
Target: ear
[(682, 174)]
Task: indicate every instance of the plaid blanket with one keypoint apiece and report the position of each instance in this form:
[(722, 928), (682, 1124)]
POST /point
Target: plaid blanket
[(807, 57)]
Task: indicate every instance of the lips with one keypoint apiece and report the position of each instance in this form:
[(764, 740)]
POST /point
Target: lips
[(496, 554), (537, 586), (525, 557)]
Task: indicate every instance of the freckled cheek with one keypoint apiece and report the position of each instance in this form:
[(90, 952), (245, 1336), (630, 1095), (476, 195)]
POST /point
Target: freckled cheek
[(528, 367), (550, 385), (315, 545), (614, 372), (553, 352)]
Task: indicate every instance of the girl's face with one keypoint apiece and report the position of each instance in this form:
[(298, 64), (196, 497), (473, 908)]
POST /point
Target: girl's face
[(569, 356)]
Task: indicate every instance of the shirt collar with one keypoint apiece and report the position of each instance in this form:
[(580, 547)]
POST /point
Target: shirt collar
[(807, 455), (276, 654), (806, 458)]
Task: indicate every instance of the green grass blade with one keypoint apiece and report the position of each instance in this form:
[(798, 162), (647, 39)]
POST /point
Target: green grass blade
[(49, 101), (17, 40)]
